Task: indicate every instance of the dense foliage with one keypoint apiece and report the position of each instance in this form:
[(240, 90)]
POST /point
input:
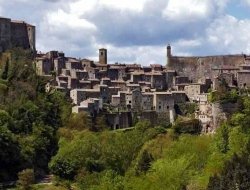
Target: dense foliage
[(151, 158), (37, 128), (29, 118)]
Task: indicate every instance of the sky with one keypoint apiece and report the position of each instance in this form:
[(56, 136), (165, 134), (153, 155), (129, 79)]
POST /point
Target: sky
[(136, 31)]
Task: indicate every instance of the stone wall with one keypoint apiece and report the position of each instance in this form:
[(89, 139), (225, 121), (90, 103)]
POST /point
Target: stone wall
[(199, 67), (221, 112), (5, 34), (16, 34)]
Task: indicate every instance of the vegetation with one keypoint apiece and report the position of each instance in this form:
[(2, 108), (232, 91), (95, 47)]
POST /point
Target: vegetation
[(25, 179), (29, 118), (39, 135)]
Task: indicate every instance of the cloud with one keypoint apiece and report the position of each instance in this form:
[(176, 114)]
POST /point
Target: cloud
[(62, 31), (135, 31), (228, 34), (246, 2), (144, 28), (124, 4), (193, 10)]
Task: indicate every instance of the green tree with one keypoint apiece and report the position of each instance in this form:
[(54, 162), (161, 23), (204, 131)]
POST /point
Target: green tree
[(9, 154), (79, 121), (222, 138), (235, 175), (186, 125), (5, 70), (144, 162)]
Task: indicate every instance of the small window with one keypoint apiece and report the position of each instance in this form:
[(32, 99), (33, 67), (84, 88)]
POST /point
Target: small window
[(159, 107), (130, 102)]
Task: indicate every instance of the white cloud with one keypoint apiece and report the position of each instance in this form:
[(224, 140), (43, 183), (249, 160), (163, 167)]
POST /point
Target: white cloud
[(177, 9), (246, 2), (230, 35), (192, 10), (133, 31), (62, 18), (81, 6), (136, 5), (188, 43)]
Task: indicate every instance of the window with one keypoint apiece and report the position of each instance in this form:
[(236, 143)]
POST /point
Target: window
[(130, 102), (159, 107)]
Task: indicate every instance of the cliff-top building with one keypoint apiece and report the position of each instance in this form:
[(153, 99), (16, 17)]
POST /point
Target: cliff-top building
[(16, 34)]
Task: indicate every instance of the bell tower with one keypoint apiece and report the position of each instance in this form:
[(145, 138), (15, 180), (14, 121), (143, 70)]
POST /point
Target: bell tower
[(168, 54), (103, 56)]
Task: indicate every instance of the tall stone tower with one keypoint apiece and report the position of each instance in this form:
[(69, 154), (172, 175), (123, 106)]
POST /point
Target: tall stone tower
[(103, 58), (32, 37), (168, 54), (5, 34), (16, 34)]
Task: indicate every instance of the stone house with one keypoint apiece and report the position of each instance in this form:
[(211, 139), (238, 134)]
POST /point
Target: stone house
[(43, 66), (136, 100), (147, 101), (72, 63), (194, 89), (163, 101), (91, 105), (243, 79), (59, 64), (79, 95)]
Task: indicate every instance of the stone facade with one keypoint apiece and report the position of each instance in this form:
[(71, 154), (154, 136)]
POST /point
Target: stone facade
[(16, 34), (126, 91)]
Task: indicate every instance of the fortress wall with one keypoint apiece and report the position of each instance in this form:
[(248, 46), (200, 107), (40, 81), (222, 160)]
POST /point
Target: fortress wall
[(5, 34), (16, 34), (200, 67), (19, 35)]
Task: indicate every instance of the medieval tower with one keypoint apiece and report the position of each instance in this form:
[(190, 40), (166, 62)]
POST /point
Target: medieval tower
[(103, 58), (16, 34), (168, 54)]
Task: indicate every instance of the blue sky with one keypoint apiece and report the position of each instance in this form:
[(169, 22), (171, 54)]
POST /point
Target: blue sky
[(136, 31)]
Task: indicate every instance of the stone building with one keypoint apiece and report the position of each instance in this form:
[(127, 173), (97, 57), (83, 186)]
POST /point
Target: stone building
[(243, 79), (193, 90), (16, 34), (196, 67), (163, 101), (103, 58), (79, 95), (43, 66)]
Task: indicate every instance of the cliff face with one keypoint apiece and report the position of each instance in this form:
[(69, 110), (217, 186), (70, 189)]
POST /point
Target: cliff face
[(200, 67)]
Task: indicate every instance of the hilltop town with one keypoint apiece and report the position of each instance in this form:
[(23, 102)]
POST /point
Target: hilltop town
[(73, 123), (127, 92), (146, 92)]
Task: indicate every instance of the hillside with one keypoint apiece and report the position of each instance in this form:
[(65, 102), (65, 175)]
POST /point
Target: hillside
[(29, 118), (39, 135)]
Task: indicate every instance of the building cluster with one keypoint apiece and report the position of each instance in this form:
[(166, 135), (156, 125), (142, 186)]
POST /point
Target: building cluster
[(15, 33), (125, 91)]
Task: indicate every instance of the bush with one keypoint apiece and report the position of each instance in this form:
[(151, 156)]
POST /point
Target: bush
[(191, 126), (25, 179)]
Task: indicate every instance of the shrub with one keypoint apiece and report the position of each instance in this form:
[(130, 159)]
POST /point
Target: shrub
[(25, 179)]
